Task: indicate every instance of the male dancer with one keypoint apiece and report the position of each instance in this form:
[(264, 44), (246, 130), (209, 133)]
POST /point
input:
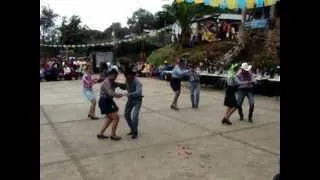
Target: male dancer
[(134, 88)]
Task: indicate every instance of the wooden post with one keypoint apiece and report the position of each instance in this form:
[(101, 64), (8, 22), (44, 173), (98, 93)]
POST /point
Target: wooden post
[(67, 54)]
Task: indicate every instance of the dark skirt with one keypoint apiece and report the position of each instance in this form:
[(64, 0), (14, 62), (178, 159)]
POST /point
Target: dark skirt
[(230, 99), (107, 106), (175, 84)]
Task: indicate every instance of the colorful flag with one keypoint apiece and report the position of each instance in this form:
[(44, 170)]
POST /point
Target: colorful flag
[(232, 4), (215, 3), (250, 4), (198, 1), (223, 4), (269, 2), (259, 3), (242, 4), (206, 2)]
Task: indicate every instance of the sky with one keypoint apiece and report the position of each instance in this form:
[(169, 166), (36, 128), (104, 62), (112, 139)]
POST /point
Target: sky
[(100, 14)]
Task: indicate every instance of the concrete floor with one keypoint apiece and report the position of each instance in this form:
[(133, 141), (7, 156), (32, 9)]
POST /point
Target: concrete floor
[(70, 150)]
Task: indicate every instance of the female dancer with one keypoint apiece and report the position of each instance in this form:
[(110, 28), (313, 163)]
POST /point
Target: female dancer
[(88, 82), (108, 106), (175, 82), (230, 100)]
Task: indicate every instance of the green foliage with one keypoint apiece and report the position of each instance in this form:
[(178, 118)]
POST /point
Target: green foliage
[(158, 56), (134, 47), (47, 22), (197, 57), (141, 19)]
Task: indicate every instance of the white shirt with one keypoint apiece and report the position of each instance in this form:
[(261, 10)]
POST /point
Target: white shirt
[(66, 70)]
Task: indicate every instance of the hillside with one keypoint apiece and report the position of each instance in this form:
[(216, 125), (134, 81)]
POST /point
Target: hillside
[(196, 54)]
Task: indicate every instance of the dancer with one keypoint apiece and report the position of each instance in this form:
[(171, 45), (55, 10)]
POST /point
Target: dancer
[(88, 83), (230, 100), (134, 87), (194, 86), (246, 83), (175, 82), (108, 106)]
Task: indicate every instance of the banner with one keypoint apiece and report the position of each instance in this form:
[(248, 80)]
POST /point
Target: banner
[(257, 24), (233, 4)]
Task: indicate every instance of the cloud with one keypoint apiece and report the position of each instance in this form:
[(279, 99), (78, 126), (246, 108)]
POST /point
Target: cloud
[(99, 14)]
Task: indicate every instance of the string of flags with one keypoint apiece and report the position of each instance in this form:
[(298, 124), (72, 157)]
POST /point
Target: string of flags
[(233, 4), (112, 43)]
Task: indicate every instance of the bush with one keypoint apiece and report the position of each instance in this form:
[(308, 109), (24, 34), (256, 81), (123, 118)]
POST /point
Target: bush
[(197, 57), (158, 56)]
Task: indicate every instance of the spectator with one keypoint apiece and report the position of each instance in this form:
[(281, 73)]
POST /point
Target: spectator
[(67, 72)]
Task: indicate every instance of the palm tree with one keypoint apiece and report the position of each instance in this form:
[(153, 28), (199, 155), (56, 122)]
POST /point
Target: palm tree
[(184, 12), (47, 21)]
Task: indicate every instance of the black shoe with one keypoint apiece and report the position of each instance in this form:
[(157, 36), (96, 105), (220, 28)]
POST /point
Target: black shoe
[(226, 121), (134, 136), (250, 120), (174, 107), (92, 117), (241, 118), (130, 133), (115, 138), (101, 136)]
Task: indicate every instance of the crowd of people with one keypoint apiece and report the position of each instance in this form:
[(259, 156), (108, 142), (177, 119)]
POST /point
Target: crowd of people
[(61, 68)]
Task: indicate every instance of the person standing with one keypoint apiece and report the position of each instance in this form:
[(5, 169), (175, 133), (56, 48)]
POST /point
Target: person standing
[(246, 83), (133, 105), (230, 100), (175, 82), (108, 106), (88, 83), (194, 78)]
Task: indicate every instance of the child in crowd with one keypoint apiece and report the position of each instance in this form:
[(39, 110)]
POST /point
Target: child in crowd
[(194, 78), (230, 100)]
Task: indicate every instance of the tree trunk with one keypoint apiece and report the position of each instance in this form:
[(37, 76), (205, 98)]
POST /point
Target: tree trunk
[(235, 51)]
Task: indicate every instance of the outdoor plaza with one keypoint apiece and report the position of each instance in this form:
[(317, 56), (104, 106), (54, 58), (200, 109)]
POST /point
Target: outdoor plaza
[(190, 144)]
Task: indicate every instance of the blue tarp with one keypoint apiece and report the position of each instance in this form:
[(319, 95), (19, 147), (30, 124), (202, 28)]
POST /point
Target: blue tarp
[(257, 24)]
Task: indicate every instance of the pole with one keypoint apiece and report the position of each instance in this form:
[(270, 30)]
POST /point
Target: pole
[(67, 54)]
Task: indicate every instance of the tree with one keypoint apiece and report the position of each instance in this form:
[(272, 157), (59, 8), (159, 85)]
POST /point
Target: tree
[(73, 33), (47, 22), (163, 19), (183, 13), (141, 19), (120, 32)]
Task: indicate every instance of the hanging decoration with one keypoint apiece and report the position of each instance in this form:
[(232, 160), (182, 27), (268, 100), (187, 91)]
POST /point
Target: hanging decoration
[(232, 4), (96, 44)]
